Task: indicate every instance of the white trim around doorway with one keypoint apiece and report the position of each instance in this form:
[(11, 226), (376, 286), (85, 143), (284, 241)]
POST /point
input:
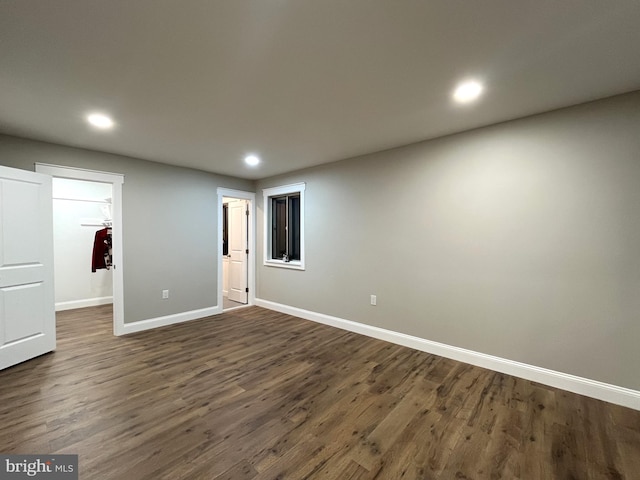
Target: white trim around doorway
[(251, 280), (116, 179)]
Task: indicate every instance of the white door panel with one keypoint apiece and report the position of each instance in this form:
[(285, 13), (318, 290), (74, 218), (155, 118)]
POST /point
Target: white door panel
[(238, 257), (23, 304), (20, 274), (20, 242), (27, 317)]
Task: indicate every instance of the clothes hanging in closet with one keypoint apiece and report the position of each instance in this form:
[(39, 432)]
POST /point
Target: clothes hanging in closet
[(102, 255)]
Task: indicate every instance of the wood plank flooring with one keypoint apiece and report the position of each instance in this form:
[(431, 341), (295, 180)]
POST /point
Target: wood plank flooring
[(254, 394)]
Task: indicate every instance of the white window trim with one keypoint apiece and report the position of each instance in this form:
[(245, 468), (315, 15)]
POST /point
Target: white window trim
[(274, 192)]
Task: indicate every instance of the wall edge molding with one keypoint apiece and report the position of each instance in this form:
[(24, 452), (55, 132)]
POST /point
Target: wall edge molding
[(166, 320), (87, 302), (625, 397)]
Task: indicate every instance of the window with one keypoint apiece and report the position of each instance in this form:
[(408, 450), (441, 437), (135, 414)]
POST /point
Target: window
[(284, 226)]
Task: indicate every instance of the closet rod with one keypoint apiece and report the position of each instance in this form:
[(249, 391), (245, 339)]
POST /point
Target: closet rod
[(99, 223), (83, 200)]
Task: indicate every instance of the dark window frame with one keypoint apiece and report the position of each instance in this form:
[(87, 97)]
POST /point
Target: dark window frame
[(284, 226)]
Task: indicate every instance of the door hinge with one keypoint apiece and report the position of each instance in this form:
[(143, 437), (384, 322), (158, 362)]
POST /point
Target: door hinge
[(247, 251), (246, 289), (246, 212)]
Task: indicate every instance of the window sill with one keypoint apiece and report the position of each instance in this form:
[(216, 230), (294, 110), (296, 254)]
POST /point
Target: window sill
[(293, 265)]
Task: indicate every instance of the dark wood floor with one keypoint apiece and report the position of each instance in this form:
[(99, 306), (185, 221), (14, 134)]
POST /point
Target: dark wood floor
[(254, 394)]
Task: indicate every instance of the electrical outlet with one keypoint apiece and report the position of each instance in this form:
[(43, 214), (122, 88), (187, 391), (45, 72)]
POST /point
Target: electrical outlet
[(374, 300), (165, 294)]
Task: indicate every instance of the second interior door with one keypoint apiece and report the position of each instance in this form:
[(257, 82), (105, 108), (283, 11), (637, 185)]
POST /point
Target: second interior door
[(238, 250)]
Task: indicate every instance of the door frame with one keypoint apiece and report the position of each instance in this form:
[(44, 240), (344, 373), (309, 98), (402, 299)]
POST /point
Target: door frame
[(251, 266), (116, 180)]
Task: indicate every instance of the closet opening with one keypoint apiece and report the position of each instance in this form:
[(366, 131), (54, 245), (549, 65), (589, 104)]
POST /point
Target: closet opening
[(82, 242), (87, 224)]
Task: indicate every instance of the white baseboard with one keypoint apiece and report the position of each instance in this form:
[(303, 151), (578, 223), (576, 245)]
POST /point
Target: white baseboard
[(88, 302), (583, 386), (168, 320)]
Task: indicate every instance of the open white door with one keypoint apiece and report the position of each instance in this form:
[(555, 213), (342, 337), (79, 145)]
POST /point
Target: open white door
[(27, 311), (238, 250)]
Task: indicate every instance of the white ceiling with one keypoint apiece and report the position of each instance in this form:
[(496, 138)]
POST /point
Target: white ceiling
[(201, 83)]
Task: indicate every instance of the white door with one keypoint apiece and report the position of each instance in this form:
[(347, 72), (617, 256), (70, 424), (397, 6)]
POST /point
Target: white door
[(238, 253), (27, 312)]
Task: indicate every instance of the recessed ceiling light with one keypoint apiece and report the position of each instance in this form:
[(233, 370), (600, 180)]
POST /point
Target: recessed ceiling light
[(252, 160), (467, 91), (100, 120)]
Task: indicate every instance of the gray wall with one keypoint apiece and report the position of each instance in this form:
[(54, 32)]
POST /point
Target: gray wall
[(169, 225), (520, 240)]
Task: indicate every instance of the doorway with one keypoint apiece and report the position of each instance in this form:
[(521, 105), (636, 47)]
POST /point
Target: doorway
[(236, 249), (115, 181), (81, 210), (235, 252)]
